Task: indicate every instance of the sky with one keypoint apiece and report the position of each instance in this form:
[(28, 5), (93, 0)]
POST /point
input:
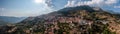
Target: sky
[(25, 8)]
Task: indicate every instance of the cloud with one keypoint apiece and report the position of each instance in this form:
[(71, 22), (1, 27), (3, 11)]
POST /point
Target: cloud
[(2, 9), (111, 1), (116, 6), (49, 3), (45, 2), (43, 7), (71, 3), (39, 1), (46, 8), (25, 13)]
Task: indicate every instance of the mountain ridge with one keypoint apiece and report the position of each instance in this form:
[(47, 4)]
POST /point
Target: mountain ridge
[(11, 19)]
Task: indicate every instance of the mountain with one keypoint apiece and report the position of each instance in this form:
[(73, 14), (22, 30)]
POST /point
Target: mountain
[(70, 20), (11, 19), (3, 23)]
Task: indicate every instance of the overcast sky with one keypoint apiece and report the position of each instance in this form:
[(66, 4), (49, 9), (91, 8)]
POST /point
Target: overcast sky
[(23, 8)]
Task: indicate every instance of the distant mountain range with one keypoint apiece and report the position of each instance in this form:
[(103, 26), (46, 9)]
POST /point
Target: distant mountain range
[(3, 22), (71, 20), (7, 19)]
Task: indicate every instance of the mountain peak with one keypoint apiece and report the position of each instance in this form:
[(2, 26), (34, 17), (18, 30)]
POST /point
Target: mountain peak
[(82, 7)]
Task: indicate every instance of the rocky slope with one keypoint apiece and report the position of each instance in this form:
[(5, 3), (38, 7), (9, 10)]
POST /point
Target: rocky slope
[(72, 20)]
